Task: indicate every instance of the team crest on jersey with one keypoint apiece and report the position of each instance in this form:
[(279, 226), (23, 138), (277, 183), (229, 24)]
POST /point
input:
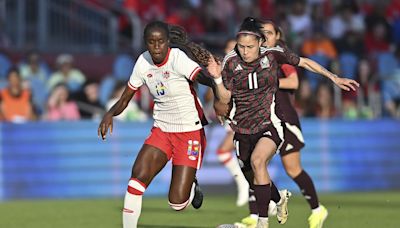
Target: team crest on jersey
[(160, 88), (193, 149), (166, 75), (265, 62)]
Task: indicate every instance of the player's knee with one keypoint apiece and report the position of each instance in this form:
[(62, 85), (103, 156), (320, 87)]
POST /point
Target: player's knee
[(178, 201), (293, 171), (258, 163)]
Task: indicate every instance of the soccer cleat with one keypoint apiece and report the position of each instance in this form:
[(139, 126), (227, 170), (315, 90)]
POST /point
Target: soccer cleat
[(262, 223), (198, 196), (282, 211), (248, 222), (317, 219)]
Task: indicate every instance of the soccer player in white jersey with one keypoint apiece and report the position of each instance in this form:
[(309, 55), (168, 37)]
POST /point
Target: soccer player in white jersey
[(177, 133)]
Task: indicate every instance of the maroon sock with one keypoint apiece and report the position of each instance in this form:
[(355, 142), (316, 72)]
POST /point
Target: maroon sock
[(275, 193), (263, 196), (306, 185), (252, 202)]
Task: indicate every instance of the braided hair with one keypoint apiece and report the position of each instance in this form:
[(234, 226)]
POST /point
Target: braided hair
[(178, 36)]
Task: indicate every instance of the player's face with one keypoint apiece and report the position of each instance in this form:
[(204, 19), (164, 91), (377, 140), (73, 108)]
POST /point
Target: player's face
[(248, 47), (270, 34), (157, 44)]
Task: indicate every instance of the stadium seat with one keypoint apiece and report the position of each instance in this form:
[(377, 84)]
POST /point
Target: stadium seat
[(5, 65), (106, 89), (314, 78), (39, 94), (387, 64), (122, 67), (348, 65)]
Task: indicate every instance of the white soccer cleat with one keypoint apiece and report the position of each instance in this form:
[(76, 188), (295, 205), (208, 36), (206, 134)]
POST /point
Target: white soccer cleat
[(282, 211)]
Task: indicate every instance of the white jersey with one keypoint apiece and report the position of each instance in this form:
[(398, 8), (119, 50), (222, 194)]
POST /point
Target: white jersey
[(176, 107)]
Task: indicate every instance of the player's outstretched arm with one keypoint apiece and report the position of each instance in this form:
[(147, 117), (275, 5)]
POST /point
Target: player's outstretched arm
[(343, 83), (107, 121), (215, 70)]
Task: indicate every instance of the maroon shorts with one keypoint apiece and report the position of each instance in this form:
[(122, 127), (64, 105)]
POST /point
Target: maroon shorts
[(292, 140), (245, 144), (185, 148)]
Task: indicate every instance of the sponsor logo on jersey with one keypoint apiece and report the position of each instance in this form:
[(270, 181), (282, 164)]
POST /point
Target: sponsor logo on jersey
[(265, 62), (193, 149), (239, 67)]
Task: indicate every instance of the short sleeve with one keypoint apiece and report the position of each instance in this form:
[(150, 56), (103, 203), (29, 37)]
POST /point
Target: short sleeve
[(135, 80), (288, 70), (185, 66)]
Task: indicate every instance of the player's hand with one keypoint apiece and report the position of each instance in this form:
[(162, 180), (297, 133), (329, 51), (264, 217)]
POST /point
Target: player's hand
[(345, 83), (106, 123), (214, 67), (221, 109)]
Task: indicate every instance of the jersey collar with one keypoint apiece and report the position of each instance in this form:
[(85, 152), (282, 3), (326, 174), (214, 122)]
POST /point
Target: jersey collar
[(165, 60)]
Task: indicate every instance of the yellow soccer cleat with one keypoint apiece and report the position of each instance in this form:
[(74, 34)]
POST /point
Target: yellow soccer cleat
[(317, 219), (248, 222), (282, 211)]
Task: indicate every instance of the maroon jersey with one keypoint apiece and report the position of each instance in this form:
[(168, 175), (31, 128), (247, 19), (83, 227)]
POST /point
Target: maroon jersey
[(284, 98), (253, 87)]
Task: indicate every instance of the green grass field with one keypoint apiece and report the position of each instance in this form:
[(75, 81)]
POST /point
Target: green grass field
[(347, 210)]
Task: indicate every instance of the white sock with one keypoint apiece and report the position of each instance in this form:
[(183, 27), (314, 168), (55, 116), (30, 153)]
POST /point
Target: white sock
[(316, 210), (232, 165), (133, 203)]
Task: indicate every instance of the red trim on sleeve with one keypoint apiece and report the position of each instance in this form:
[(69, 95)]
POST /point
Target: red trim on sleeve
[(165, 60), (132, 87), (194, 73), (288, 69)]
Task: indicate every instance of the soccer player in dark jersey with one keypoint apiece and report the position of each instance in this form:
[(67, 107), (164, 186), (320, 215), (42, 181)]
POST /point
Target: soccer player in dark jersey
[(249, 76), (293, 138)]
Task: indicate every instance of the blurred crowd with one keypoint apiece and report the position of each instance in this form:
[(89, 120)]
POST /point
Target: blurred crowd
[(355, 39)]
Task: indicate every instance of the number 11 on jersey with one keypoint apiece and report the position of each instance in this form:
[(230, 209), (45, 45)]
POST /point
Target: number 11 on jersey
[(253, 84)]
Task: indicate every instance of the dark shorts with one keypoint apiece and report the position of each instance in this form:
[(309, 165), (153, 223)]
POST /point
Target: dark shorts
[(293, 139), (245, 144)]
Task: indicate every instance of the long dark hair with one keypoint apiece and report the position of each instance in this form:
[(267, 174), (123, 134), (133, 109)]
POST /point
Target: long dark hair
[(178, 36), (251, 26)]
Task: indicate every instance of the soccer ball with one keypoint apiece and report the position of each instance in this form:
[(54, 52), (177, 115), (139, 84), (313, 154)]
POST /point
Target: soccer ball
[(272, 208)]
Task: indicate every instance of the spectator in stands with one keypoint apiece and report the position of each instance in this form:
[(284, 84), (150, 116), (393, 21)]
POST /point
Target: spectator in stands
[(300, 22), (88, 101), (59, 105), (304, 100), (351, 42), (15, 101), (132, 111), (347, 19), (66, 74), (377, 40), (391, 90), (324, 107), (319, 44), (31, 69)]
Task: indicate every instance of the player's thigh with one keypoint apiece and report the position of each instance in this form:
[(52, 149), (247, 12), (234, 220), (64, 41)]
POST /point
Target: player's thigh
[(148, 163), (263, 152), (181, 183), (243, 147)]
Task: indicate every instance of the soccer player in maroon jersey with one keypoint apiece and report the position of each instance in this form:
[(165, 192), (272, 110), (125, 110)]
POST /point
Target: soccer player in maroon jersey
[(249, 76), (178, 132), (293, 138)]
